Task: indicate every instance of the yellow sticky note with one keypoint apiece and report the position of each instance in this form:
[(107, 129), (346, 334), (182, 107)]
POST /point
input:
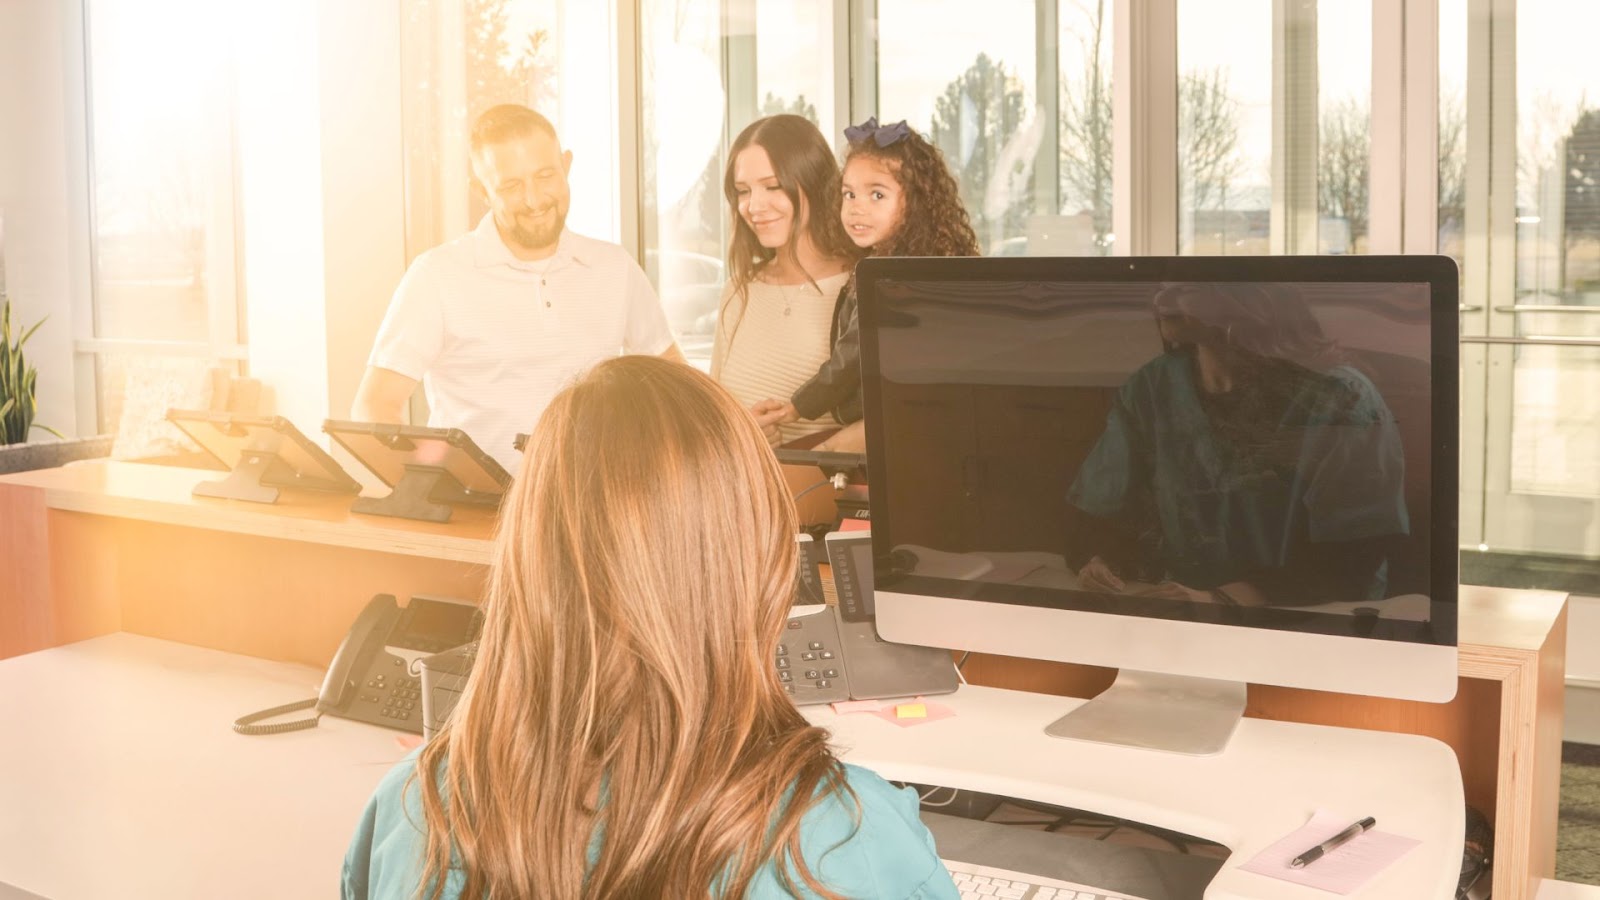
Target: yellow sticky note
[(911, 711)]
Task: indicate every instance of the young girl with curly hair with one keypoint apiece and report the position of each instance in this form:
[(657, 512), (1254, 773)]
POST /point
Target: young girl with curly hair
[(899, 199)]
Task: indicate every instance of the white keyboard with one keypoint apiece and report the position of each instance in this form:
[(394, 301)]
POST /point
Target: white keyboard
[(977, 882)]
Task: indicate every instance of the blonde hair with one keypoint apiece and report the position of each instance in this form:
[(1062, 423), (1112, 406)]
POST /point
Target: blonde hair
[(624, 692)]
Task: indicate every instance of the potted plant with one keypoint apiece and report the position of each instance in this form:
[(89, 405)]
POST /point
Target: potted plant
[(19, 403)]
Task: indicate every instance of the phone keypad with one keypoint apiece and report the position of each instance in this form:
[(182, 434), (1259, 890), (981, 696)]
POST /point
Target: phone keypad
[(807, 663), (396, 698)]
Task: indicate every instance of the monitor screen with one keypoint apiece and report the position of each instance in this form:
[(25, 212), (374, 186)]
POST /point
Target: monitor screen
[(1178, 440)]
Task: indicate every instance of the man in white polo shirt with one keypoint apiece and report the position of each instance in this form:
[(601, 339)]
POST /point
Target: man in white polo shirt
[(495, 323)]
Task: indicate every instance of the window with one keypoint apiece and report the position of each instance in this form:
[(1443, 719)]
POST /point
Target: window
[(1519, 209), (709, 69), (1225, 131), (1344, 125), (1555, 420), (1086, 154), (1453, 129), (972, 92), (165, 280), (683, 135)]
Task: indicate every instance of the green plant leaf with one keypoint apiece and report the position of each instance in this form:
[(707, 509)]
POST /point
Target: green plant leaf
[(29, 333), (19, 401)]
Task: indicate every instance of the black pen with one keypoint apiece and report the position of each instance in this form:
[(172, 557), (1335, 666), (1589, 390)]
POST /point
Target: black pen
[(1322, 849)]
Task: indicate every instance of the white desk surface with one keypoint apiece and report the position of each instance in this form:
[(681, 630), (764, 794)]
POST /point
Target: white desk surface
[(120, 777), (1268, 782)]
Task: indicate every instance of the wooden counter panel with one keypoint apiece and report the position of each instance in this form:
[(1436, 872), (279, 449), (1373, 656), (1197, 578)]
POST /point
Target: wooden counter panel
[(160, 494), (278, 599), (26, 618)]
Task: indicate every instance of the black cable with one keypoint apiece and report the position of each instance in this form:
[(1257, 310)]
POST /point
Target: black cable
[(823, 483), (1068, 816), (246, 724)]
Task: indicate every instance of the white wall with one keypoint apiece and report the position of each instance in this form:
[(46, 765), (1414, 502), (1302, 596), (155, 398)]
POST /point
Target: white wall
[(44, 190), (363, 212)]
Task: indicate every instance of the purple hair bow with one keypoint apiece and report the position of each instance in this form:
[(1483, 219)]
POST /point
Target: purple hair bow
[(882, 135)]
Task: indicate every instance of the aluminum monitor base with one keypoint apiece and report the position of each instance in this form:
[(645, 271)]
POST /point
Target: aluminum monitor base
[(1175, 713)]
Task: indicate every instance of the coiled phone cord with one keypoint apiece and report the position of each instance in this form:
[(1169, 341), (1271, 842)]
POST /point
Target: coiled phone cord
[(247, 724)]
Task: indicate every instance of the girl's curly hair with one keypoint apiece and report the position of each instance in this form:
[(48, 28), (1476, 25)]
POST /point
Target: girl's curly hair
[(933, 221)]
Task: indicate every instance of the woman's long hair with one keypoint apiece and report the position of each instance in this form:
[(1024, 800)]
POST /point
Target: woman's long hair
[(1264, 323), (623, 734), (806, 169)]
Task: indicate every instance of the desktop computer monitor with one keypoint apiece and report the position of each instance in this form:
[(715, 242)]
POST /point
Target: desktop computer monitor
[(1204, 472)]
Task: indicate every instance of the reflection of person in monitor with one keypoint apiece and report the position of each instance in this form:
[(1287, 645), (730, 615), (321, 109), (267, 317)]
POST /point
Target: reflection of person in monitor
[(495, 322), (1249, 464)]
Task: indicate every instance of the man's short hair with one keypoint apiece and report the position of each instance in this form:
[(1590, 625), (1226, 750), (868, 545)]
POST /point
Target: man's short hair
[(498, 124)]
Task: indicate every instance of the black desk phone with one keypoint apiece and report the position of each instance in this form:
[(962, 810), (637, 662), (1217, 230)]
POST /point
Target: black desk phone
[(375, 675), (810, 658), (879, 669), (827, 654)]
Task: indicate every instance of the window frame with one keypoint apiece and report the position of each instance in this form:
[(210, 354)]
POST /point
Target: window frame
[(226, 341)]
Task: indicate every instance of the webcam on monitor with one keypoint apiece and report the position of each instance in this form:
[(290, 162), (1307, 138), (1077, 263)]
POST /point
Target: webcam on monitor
[(429, 470), (264, 454)]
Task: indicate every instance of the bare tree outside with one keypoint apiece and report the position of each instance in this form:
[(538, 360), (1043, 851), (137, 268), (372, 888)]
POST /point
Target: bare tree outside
[(1209, 164), (1580, 209), (1541, 125), (773, 105), (1085, 140), (972, 121), (1545, 259), (1208, 138), (1452, 173), (1344, 151), (1208, 133)]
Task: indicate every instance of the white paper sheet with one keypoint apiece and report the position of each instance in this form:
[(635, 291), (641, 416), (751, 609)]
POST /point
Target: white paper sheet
[(1341, 870)]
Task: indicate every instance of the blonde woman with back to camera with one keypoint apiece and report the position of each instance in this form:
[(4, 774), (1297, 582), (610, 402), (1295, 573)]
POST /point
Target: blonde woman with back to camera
[(624, 734)]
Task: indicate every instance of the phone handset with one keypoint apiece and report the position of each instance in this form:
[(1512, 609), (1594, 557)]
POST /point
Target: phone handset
[(367, 632), (339, 685)]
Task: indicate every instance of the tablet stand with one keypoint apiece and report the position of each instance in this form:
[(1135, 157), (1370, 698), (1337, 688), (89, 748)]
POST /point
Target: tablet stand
[(424, 493), (243, 481)]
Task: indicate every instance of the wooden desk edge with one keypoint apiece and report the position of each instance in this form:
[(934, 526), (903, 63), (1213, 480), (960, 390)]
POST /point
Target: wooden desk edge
[(64, 490)]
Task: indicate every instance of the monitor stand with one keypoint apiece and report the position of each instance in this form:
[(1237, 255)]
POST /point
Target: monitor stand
[(243, 481), (423, 493), (1175, 713)]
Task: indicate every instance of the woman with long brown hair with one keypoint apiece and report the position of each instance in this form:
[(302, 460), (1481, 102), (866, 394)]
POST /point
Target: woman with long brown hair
[(788, 258), (624, 733)]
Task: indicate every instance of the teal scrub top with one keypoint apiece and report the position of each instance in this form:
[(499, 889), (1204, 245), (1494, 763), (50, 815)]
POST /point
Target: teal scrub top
[(891, 855), (1326, 467)]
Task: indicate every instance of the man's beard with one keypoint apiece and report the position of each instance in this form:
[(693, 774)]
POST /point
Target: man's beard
[(537, 237)]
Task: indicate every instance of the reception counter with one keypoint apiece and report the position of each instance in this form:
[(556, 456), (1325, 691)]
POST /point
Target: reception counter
[(103, 547)]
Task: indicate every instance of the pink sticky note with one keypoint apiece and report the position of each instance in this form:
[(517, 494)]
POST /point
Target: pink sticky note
[(934, 712), (1345, 868)]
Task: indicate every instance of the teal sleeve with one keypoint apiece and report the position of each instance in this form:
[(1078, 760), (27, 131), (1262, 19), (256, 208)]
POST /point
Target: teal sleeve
[(384, 861), (889, 855)]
